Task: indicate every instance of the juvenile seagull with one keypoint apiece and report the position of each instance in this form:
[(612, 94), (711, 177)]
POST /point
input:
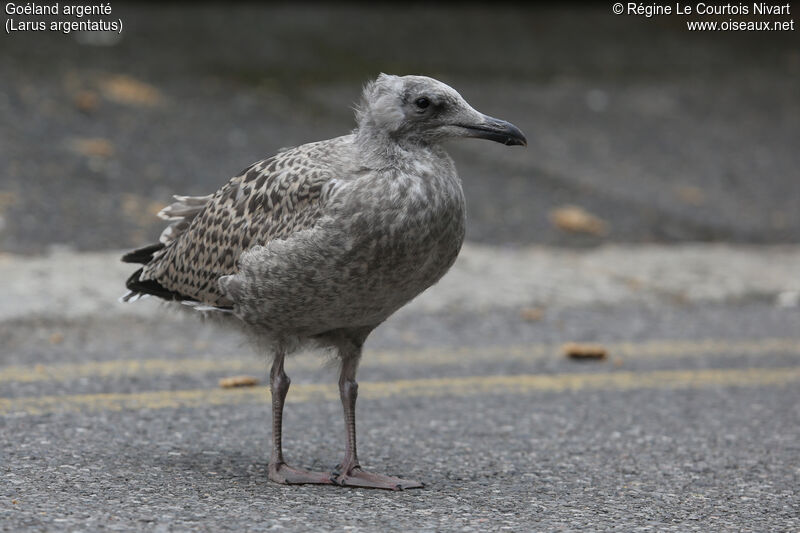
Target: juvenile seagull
[(321, 243)]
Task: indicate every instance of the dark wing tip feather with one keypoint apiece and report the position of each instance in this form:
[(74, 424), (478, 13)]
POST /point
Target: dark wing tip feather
[(153, 287), (142, 255)]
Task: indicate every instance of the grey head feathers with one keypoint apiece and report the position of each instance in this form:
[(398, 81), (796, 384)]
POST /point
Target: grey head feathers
[(421, 110)]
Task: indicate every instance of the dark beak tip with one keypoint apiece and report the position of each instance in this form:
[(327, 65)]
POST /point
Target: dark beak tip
[(515, 137), (498, 131)]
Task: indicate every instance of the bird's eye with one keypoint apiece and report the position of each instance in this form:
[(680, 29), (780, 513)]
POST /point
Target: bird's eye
[(422, 103)]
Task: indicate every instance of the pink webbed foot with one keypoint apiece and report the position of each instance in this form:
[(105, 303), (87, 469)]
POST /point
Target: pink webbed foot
[(287, 475), (356, 477)]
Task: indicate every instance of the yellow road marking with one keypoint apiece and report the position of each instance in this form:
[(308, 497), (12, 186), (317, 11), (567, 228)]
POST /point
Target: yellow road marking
[(123, 367), (628, 350), (427, 357), (462, 386)]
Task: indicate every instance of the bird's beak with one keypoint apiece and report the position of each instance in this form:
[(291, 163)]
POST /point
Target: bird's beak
[(495, 130)]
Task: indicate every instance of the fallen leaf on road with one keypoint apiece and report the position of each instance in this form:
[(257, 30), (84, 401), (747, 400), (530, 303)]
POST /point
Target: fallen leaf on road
[(7, 198), (126, 90), (691, 195), (238, 381), (87, 101), (92, 147), (140, 209), (577, 220), (531, 314), (576, 350)]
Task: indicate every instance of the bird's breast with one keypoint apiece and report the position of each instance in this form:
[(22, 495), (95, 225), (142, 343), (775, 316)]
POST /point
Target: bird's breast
[(404, 233)]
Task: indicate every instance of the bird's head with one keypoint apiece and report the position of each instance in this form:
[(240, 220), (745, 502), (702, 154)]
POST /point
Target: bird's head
[(425, 110)]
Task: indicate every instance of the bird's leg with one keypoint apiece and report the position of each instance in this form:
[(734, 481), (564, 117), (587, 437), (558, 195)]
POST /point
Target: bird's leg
[(279, 471), (349, 473)]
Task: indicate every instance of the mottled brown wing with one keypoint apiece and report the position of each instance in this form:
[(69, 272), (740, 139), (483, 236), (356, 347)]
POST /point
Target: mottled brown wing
[(270, 200)]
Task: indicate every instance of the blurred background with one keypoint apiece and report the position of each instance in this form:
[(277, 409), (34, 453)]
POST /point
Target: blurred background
[(640, 131), (616, 348)]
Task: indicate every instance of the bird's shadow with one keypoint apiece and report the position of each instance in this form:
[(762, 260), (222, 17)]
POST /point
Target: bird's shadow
[(222, 464)]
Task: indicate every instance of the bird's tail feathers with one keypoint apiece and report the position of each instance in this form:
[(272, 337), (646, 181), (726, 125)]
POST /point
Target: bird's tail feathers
[(181, 213)]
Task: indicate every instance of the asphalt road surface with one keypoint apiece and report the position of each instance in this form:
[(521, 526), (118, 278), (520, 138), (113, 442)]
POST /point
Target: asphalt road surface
[(692, 423)]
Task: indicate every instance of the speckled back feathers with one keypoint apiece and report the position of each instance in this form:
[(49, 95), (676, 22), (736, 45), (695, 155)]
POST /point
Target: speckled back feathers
[(269, 200)]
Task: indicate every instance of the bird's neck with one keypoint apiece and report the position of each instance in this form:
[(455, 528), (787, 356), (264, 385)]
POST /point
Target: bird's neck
[(378, 148)]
